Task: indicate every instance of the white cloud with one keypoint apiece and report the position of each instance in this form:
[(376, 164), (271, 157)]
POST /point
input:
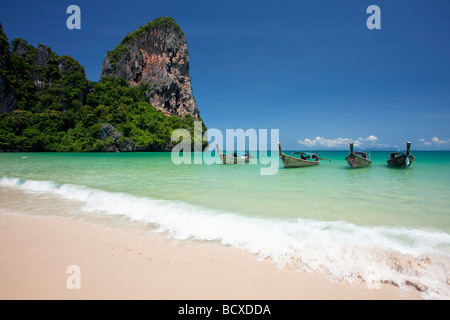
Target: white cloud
[(322, 142), (338, 143), (372, 138), (435, 141), (438, 141)]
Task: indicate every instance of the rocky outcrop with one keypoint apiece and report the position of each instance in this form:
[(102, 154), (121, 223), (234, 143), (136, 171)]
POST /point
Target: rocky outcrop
[(38, 75), (42, 56), (114, 140), (47, 103), (47, 67), (156, 54), (7, 96)]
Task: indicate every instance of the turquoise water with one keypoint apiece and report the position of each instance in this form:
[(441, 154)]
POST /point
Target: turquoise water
[(378, 195), (345, 222)]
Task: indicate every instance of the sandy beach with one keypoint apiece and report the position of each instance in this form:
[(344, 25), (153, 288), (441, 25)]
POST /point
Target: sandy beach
[(36, 252)]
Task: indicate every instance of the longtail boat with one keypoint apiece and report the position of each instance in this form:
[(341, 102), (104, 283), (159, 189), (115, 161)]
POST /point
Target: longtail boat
[(304, 159), (358, 159), (401, 160), (233, 159)]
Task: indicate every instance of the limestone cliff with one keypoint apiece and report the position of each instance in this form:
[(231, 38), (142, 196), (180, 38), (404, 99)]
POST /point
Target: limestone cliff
[(156, 54), (7, 96), (37, 78), (47, 103)]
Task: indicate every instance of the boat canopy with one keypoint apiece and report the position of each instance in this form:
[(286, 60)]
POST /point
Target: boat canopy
[(304, 153)]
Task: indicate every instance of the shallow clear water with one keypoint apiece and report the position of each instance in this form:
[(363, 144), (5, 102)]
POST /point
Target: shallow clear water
[(345, 222), (378, 195)]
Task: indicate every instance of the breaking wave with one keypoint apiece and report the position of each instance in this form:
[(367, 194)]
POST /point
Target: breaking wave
[(401, 256)]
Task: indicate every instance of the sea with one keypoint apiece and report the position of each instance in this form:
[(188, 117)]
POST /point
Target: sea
[(375, 224)]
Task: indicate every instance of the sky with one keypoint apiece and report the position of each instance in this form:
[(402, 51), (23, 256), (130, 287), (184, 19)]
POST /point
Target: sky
[(311, 69)]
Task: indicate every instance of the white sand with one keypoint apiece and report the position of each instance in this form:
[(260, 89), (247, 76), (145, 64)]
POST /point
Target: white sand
[(36, 251)]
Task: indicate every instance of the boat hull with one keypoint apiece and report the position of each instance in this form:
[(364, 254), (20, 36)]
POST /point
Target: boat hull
[(402, 161), (226, 159), (356, 161), (293, 162)]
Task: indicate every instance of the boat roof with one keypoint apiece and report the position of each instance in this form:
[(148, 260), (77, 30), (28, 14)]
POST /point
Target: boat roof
[(303, 153)]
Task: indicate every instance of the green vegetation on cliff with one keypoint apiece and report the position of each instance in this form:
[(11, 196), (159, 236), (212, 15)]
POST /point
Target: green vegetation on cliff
[(41, 80), (78, 129), (4, 48), (157, 23), (58, 109), (115, 55)]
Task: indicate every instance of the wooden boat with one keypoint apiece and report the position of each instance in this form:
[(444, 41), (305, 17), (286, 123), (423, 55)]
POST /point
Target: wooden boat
[(305, 159), (233, 159), (358, 159), (401, 160)]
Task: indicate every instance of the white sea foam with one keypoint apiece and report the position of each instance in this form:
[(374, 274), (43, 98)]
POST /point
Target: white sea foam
[(401, 256)]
